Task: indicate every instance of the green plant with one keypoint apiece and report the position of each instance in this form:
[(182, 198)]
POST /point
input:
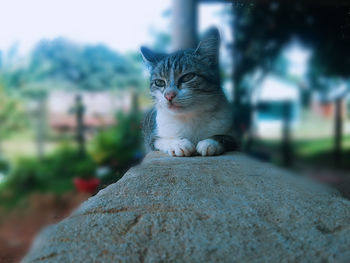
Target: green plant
[(4, 165), (11, 110), (53, 173), (119, 145), (67, 162), (85, 168), (26, 175), (116, 148)]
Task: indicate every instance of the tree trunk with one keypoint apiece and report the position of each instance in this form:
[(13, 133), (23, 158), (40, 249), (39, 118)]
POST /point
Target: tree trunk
[(40, 127), (79, 110), (286, 134)]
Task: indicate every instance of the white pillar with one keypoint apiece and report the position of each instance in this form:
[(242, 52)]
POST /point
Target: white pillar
[(184, 24)]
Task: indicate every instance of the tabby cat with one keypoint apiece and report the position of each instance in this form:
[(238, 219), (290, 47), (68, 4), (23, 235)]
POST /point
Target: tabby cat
[(191, 114)]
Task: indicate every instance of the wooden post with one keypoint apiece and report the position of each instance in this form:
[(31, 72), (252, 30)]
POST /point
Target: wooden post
[(79, 111), (40, 125), (338, 130), (237, 74), (286, 134), (184, 23), (135, 108)]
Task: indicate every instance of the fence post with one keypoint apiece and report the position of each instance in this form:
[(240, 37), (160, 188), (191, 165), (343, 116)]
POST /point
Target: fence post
[(338, 130), (40, 124), (79, 111), (286, 134)]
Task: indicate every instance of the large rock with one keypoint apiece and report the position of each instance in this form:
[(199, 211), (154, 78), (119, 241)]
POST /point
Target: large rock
[(227, 208)]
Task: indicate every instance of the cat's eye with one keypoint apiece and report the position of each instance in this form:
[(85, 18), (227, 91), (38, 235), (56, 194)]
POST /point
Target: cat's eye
[(187, 77), (159, 83)]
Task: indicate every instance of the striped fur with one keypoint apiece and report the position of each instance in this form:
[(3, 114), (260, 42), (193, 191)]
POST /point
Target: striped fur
[(198, 120)]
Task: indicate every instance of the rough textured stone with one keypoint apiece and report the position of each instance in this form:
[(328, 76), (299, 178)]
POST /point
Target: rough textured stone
[(227, 208)]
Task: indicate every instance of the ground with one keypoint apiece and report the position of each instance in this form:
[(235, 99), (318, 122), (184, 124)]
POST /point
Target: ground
[(19, 226)]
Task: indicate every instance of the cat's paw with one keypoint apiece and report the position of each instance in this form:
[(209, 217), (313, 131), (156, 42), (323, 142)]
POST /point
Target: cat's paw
[(209, 147), (181, 148)]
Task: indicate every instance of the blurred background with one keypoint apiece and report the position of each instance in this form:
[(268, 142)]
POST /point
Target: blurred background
[(73, 90)]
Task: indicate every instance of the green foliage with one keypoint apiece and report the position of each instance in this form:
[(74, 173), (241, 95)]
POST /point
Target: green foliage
[(64, 64), (4, 165), (262, 30), (27, 175), (54, 173), (116, 148), (61, 63), (11, 111), (84, 167), (120, 145), (88, 67), (66, 162), (318, 152)]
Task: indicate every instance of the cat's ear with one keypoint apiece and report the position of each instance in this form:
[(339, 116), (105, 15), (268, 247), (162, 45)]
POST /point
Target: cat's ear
[(150, 57), (208, 47)]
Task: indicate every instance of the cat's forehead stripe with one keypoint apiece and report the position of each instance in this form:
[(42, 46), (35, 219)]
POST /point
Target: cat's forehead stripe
[(174, 63)]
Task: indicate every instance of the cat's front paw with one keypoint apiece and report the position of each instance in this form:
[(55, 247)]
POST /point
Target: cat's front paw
[(209, 147), (181, 148)]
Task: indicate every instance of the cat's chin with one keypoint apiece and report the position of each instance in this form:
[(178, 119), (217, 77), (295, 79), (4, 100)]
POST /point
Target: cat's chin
[(173, 110), (175, 107)]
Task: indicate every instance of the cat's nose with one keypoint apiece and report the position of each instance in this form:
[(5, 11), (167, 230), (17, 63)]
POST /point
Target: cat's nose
[(170, 95)]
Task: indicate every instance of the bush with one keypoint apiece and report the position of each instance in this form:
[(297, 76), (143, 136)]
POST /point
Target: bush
[(113, 150), (121, 144), (54, 173), (4, 165), (119, 147), (66, 162), (27, 174)]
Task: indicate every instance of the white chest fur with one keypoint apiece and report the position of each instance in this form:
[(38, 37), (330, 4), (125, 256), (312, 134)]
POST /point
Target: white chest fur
[(193, 126)]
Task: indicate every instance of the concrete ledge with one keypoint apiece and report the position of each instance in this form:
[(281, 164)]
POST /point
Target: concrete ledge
[(227, 208)]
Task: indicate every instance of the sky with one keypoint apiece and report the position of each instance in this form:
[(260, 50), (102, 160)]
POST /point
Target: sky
[(298, 57), (122, 25)]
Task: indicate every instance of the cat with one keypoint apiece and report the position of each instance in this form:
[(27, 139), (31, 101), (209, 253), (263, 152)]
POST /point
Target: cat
[(191, 115)]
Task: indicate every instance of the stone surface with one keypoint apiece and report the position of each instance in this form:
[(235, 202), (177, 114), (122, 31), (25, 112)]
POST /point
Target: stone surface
[(227, 208)]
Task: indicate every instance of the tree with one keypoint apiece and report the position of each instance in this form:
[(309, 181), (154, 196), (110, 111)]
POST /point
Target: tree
[(85, 67), (12, 115), (262, 30)]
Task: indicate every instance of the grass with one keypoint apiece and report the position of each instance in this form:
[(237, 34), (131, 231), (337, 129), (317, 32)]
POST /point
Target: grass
[(313, 147), (310, 152), (17, 147), (23, 144)]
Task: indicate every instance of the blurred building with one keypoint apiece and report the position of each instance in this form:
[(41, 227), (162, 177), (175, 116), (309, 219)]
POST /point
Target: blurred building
[(269, 96), (100, 109), (323, 102)]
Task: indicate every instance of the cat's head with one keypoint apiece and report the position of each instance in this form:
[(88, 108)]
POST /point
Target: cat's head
[(185, 80)]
